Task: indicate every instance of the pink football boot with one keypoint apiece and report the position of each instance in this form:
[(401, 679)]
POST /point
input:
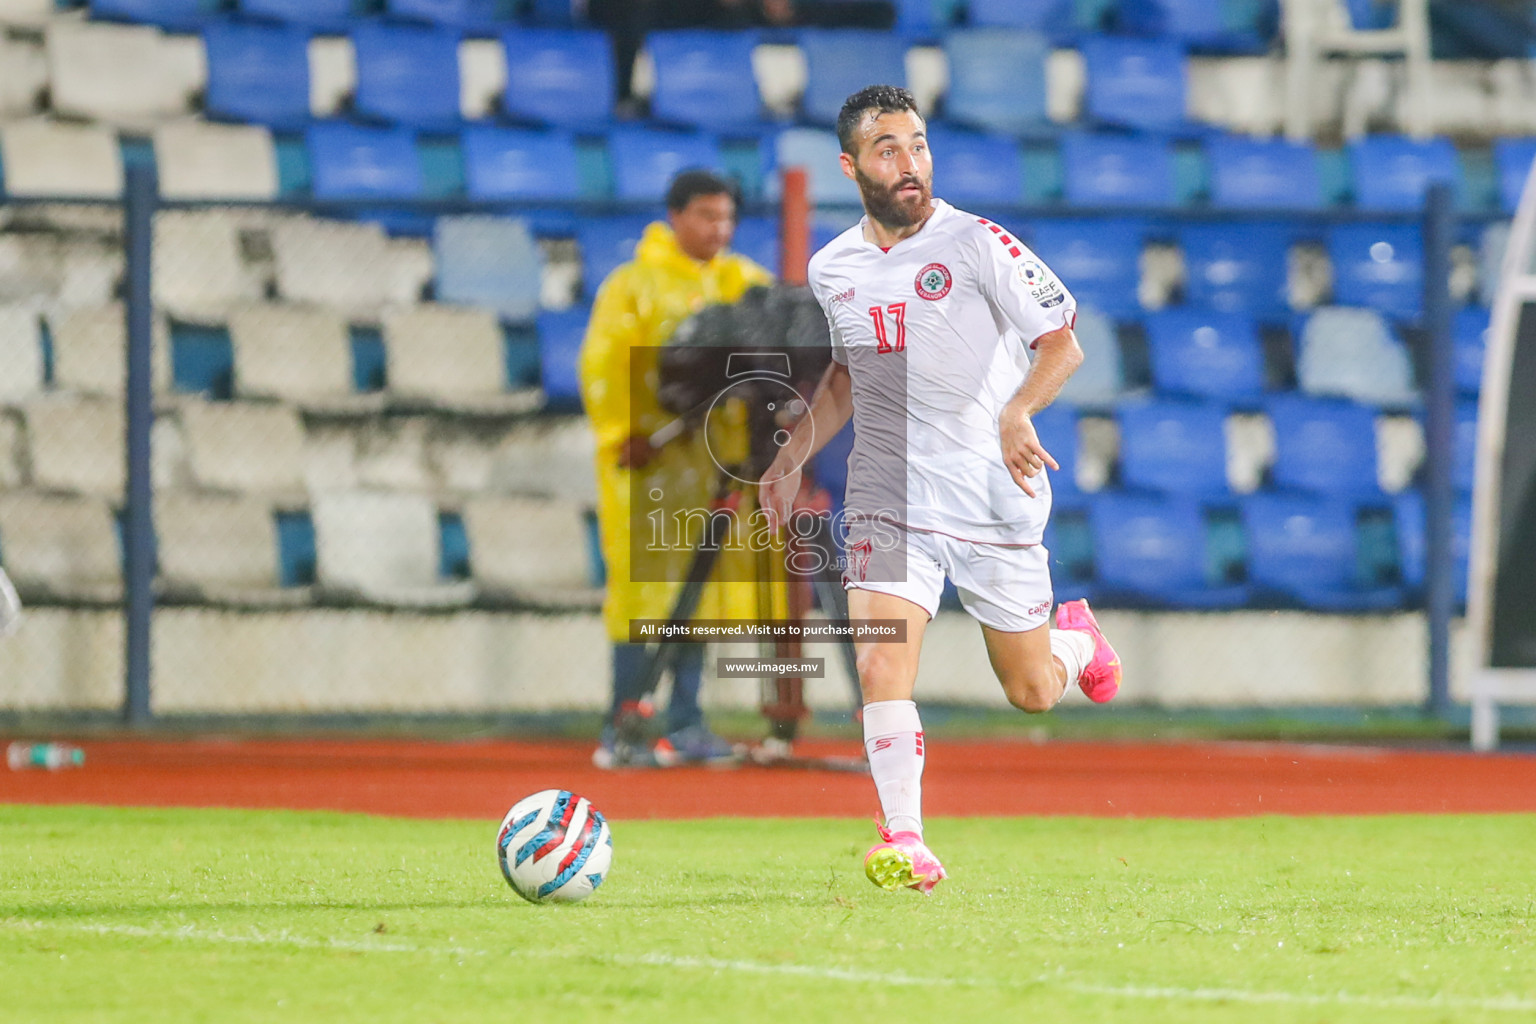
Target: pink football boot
[(903, 860), (1101, 676)]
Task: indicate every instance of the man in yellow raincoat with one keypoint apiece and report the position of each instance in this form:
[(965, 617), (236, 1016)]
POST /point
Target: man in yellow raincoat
[(679, 267)]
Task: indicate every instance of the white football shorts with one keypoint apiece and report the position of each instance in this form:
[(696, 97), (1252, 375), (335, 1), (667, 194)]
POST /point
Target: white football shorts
[(1005, 587)]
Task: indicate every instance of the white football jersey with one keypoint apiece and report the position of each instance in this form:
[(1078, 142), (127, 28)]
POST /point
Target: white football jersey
[(936, 335)]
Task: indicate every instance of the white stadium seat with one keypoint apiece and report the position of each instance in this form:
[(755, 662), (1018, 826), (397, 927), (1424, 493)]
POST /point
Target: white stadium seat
[(60, 547), (482, 77), (351, 267), (546, 456), (198, 160), (47, 158), (332, 74), (21, 353), (532, 550), (90, 271), (219, 548), (31, 267), (90, 351), (76, 445), (23, 77), (294, 353), (781, 74), (382, 547), (245, 447), (26, 13), (129, 75), (198, 269), (448, 356), (1352, 353)]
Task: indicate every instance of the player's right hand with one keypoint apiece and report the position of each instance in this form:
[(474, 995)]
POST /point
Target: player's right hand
[(776, 492), (1023, 453)]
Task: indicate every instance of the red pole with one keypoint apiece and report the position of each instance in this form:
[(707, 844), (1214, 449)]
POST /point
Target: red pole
[(795, 229)]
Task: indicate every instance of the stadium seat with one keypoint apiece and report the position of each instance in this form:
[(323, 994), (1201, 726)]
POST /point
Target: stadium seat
[(1222, 26), (605, 243), (320, 15), (23, 77), (332, 76), (173, 15), (1324, 446), (1393, 174), (217, 547), (1056, 426), (90, 351), (407, 75), (447, 357), (530, 550), (1408, 517), (701, 80), (60, 547), (1464, 442), (830, 465), (840, 62), (516, 163), (1237, 267), (199, 271), (1152, 550), (996, 79), (351, 267), (47, 158), (461, 14), (1173, 447), (1352, 353), (492, 262), (1469, 336), (1135, 83), (258, 73), (1305, 550), (382, 547), (129, 75), (26, 14), (198, 160), (972, 168), (1117, 170), (1264, 174), (298, 354), (1205, 354), (1513, 158), (757, 238), (75, 445), (21, 353), (645, 160), (1100, 260), (349, 161), (1055, 17), (560, 337), (559, 77), (245, 447), (1100, 381), (816, 150), (1378, 266)]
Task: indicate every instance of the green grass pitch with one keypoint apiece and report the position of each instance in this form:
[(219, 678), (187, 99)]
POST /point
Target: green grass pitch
[(226, 916)]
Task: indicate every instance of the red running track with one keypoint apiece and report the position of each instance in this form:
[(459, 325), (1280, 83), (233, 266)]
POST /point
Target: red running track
[(481, 779)]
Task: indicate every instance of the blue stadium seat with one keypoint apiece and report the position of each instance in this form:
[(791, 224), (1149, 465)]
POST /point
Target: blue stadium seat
[(1379, 266), (1117, 170), (1152, 550), (996, 79), (559, 76), (560, 337), (1226, 26), (1353, 353), (1099, 260), (407, 75), (1305, 550), (972, 168), (1393, 174), (757, 238), (1513, 158), (840, 62), (704, 79), (463, 14), (1237, 267), (348, 161), (830, 466), (1055, 17), (605, 243), (320, 15), (815, 149), (487, 261), (1469, 338), (1205, 354), (1323, 446), (258, 73), (518, 163), (1173, 447), (646, 159), (1135, 83), (173, 15), (1056, 426), (1263, 174), (1464, 464), (1408, 515)]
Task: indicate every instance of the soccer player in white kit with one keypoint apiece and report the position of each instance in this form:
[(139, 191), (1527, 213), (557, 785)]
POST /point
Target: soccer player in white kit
[(934, 314)]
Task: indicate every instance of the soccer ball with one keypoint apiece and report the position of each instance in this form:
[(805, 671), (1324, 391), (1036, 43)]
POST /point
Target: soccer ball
[(554, 847)]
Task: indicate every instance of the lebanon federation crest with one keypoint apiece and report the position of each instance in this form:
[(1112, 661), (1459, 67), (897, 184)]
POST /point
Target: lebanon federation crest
[(933, 281)]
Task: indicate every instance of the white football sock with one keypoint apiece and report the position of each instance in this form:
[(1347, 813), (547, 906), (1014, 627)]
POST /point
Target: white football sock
[(893, 739), (1075, 649)]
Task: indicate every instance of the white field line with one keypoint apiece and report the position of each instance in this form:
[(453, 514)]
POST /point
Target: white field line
[(1159, 993)]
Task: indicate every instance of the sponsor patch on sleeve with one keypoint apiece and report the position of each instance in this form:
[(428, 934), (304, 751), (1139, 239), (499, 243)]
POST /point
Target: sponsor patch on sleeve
[(1042, 284)]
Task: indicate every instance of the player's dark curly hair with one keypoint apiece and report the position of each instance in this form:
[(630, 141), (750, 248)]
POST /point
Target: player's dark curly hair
[(887, 99)]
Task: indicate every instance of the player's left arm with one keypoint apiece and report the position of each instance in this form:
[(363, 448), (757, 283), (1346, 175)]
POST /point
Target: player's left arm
[(1057, 355)]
